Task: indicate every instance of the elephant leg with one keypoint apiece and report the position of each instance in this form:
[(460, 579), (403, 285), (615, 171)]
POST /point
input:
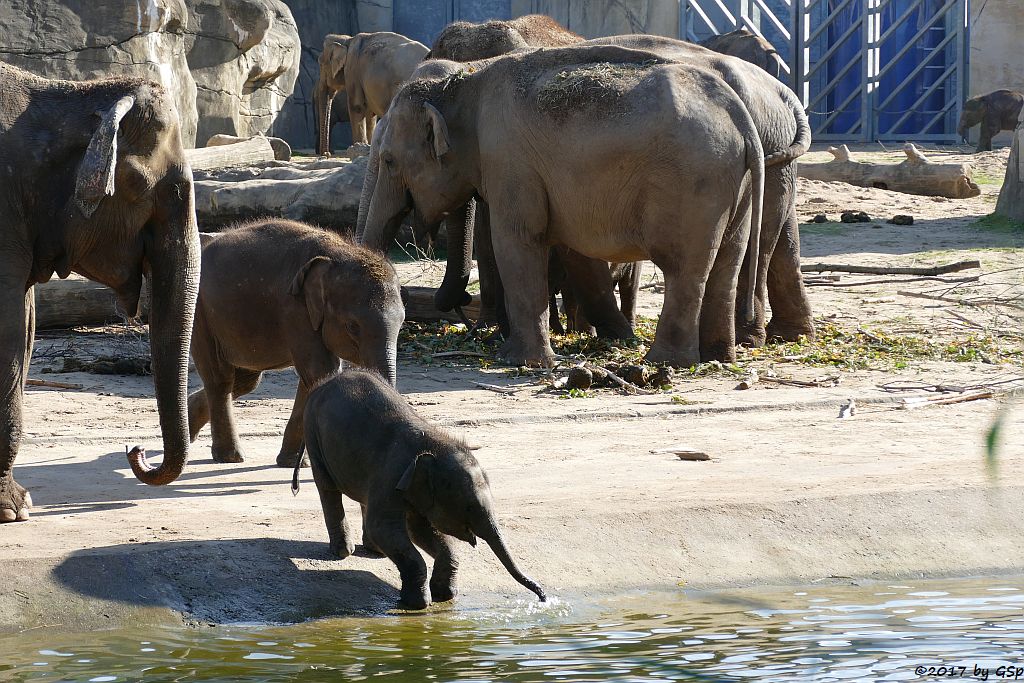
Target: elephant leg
[(492, 293), (441, 548), (391, 534), (718, 307), (592, 286), (17, 313), (371, 548), (629, 291), (556, 283), (291, 444), (371, 123), (524, 262), (791, 309), (331, 502), (988, 131), (575, 320), (686, 263)]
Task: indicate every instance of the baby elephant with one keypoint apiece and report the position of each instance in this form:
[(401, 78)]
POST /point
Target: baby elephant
[(416, 484), (275, 294)]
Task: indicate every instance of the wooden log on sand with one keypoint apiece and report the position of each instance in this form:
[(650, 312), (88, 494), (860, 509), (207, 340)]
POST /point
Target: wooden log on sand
[(916, 175), (1011, 195), (77, 301), (251, 151)]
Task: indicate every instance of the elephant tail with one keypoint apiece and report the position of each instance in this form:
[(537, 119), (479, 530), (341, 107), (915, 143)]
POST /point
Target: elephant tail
[(756, 165), (802, 142)]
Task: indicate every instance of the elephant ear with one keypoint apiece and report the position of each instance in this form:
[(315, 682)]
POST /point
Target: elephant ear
[(417, 485), (309, 281), (336, 51), (95, 178), (437, 130)]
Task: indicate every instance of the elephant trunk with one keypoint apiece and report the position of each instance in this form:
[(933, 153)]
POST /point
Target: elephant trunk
[(370, 179), (173, 256), (323, 98), (492, 535), (384, 358), (388, 205), (459, 226)]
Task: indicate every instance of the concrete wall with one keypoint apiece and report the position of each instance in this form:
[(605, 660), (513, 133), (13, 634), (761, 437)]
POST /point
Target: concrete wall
[(997, 49)]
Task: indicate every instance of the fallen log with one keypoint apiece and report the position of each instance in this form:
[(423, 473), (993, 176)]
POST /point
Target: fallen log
[(915, 175), (884, 270), (282, 150), (76, 301), (251, 151), (419, 307)]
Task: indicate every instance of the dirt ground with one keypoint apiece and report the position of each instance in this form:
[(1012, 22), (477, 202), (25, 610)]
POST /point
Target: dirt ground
[(791, 494)]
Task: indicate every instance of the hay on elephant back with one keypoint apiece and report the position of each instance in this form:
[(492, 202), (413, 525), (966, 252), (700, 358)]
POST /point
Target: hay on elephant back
[(594, 87)]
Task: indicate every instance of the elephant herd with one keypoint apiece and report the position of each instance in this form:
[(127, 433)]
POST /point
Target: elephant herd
[(533, 146)]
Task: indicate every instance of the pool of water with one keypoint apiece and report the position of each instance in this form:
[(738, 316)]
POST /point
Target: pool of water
[(878, 632)]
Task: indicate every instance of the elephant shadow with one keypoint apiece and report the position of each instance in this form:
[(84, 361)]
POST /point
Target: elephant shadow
[(81, 486), (227, 581)]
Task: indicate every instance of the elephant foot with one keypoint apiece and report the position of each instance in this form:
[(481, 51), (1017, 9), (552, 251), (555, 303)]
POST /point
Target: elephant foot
[(751, 335), (413, 599), (228, 455), (342, 549), (443, 590), (370, 552), (516, 353), (721, 351), (289, 459), (790, 332), (677, 359), (15, 501)]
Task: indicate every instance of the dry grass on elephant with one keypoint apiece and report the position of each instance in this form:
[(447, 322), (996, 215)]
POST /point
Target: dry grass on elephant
[(587, 87)]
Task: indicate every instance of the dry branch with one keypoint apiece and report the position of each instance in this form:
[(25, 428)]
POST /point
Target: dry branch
[(884, 270), (32, 382), (915, 175)]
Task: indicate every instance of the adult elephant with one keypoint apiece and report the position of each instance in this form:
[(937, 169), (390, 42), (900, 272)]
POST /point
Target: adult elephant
[(95, 182), (463, 41), (785, 135), (749, 47), (673, 170), (369, 67), (995, 111)]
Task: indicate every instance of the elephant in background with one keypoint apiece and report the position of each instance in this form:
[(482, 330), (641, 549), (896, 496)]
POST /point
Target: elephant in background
[(749, 47), (520, 131), (463, 41), (95, 182), (416, 484), (369, 67), (996, 111), (277, 294)]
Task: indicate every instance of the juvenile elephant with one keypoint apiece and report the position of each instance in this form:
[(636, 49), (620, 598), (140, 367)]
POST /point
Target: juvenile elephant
[(615, 153), (749, 47), (93, 180), (369, 67), (417, 485), (995, 111), (277, 294)]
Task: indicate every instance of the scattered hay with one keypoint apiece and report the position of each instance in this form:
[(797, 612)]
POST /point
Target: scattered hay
[(594, 87)]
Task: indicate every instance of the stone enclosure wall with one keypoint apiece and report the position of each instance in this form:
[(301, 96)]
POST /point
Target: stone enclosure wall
[(230, 65)]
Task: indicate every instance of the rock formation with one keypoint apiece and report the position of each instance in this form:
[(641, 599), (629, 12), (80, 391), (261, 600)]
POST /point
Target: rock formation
[(228, 64)]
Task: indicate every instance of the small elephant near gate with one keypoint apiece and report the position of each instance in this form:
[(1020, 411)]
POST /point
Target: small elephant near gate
[(276, 294), (369, 68), (417, 486), (995, 111)]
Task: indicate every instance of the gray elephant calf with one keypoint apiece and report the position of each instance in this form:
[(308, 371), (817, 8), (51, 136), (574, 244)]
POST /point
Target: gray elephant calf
[(417, 486), (277, 294)]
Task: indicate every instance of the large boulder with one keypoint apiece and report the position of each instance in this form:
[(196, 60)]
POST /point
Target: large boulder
[(322, 191), (244, 56), (84, 39)]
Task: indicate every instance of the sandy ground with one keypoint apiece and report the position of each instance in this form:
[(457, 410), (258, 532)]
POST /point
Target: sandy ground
[(792, 494)]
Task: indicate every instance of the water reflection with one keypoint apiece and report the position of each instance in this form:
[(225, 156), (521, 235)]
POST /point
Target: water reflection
[(834, 633)]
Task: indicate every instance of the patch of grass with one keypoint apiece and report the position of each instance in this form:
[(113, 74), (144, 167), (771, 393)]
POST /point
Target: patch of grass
[(997, 223), (982, 178)]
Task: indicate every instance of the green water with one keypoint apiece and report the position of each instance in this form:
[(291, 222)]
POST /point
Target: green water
[(826, 633)]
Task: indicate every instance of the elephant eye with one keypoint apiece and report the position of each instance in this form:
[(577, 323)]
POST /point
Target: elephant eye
[(389, 160)]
